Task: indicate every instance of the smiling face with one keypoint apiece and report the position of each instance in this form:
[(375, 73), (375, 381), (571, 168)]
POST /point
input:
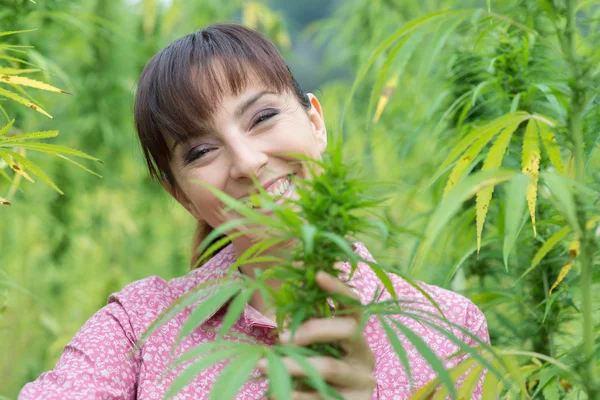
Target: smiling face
[(249, 136)]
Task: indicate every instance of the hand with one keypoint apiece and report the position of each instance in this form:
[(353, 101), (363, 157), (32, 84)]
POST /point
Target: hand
[(352, 376)]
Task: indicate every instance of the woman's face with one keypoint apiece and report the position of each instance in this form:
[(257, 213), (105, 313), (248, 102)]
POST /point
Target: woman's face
[(249, 137)]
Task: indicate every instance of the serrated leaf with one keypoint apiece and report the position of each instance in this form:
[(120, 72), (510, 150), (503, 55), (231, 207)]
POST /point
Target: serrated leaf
[(452, 203), (398, 347), (561, 275), (551, 147), (514, 213), (15, 97), (495, 125), (531, 166), (17, 71), (280, 382), (23, 81), (545, 249), (234, 311), (192, 371), (51, 149), (30, 135), (234, 375), (6, 127), (6, 33), (33, 168), (492, 161), (563, 192), (465, 391), (481, 137), (206, 308)]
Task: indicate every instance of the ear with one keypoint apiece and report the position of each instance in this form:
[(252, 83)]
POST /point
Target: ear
[(318, 122), (181, 199)]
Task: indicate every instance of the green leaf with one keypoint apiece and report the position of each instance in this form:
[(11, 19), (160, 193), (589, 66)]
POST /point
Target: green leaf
[(15, 97), (52, 149), (492, 161), (308, 236), (16, 32), (194, 369), (452, 203), (383, 277), (31, 135), (482, 137), (398, 347), (389, 41), (6, 127), (561, 191), (207, 307), (429, 356), (280, 382), (545, 249), (490, 129), (234, 311), (514, 210), (235, 375), (551, 147), (31, 167)]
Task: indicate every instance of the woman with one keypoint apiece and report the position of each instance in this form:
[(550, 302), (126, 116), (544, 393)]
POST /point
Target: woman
[(221, 106)]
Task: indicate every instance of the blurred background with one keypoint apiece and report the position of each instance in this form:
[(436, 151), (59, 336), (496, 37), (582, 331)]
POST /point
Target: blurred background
[(61, 256)]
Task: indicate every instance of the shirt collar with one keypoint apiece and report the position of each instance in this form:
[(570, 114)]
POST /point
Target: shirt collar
[(218, 267)]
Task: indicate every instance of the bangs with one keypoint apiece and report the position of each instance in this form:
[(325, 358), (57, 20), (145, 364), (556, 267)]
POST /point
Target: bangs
[(182, 86)]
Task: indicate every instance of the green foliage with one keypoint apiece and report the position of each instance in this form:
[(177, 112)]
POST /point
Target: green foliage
[(456, 68)]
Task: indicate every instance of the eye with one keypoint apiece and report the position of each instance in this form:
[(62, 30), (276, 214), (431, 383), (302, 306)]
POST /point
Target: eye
[(263, 116), (196, 153)]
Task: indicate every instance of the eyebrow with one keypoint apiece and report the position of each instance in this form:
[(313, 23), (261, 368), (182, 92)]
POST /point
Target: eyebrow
[(240, 110)]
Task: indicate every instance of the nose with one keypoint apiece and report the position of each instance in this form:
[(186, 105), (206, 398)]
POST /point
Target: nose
[(246, 159)]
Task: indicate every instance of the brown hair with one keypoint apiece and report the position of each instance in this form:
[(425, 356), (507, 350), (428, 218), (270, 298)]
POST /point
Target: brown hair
[(181, 87)]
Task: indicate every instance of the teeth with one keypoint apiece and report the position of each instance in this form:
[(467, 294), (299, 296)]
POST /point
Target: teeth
[(275, 190)]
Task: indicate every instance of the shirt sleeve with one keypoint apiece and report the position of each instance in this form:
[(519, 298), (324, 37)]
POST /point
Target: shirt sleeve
[(97, 364)]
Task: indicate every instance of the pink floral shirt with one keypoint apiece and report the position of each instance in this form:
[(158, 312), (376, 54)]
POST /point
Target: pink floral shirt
[(96, 365)]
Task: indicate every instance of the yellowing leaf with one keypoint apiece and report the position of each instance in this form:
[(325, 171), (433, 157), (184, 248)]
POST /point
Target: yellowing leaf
[(20, 80), (25, 102), (561, 275), (574, 248), (386, 93), (531, 166), (466, 141), (17, 71), (492, 161), (4, 202), (478, 139), (551, 147)]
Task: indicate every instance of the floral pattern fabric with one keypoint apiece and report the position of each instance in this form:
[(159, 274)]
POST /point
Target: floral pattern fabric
[(101, 362)]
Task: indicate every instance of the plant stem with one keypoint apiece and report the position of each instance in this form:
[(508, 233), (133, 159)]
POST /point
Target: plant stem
[(578, 95)]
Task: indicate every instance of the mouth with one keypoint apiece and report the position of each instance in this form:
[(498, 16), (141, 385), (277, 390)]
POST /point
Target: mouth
[(278, 189)]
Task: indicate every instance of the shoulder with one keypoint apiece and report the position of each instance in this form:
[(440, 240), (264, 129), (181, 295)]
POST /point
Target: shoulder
[(144, 300)]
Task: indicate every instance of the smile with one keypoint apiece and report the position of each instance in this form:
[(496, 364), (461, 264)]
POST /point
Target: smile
[(279, 188)]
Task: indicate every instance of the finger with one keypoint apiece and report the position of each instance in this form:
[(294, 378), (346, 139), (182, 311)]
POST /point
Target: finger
[(331, 284), (323, 330), (334, 372), (306, 396)]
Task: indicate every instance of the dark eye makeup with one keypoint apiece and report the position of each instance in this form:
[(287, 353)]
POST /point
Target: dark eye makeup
[(200, 151)]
